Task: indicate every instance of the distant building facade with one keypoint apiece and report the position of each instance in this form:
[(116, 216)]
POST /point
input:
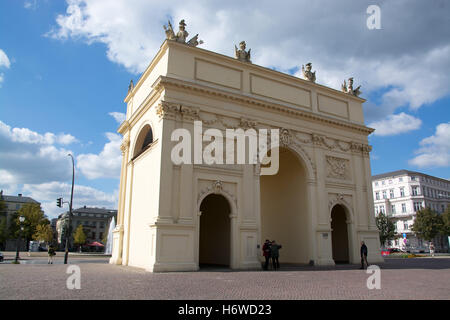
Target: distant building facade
[(95, 222), (14, 203), (400, 194)]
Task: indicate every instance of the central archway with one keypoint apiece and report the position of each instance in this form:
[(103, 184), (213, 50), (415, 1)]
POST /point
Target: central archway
[(339, 234), (284, 210), (215, 238)]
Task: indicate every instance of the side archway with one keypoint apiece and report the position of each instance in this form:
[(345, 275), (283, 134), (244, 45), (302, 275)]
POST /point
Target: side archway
[(215, 243), (340, 238), (143, 141)]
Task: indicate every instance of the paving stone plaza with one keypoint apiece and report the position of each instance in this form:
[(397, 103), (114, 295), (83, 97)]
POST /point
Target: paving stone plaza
[(414, 278)]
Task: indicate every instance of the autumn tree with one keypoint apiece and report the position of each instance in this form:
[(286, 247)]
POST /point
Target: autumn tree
[(79, 238), (44, 233), (34, 216)]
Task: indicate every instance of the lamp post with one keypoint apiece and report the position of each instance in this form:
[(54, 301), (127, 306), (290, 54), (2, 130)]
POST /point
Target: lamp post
[(21, 220), (68, 232)]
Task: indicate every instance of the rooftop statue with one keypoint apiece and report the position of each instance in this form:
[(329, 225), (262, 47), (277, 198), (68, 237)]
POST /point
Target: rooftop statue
[(349, 89), (181, 35), (307, 74), (131, 86), (241, 54)]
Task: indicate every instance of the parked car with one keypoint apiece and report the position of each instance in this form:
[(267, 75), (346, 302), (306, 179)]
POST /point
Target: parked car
[(1, 257)]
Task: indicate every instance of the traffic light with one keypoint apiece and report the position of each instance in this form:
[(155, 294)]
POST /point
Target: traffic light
[(59, 202)]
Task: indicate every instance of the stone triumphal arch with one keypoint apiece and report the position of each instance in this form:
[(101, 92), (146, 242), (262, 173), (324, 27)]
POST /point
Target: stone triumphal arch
[(182, 216)]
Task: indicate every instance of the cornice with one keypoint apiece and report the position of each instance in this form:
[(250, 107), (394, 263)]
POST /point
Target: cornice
[(163, 81)]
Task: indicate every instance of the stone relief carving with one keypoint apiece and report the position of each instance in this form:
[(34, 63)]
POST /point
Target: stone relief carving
[(125, 145), (339, 198), (241, 54), (349, 88), (216, 187), (337, 168), (168, 110), (307, 74), (285, 137), (181, 35)]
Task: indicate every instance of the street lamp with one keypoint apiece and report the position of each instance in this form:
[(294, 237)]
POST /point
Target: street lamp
[(21, 220), (70, 213)]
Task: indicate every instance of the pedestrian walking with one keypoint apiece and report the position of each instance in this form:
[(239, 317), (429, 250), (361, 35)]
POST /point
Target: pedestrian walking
[(432, 249), (274, 253), (364, 255), (266, 253), (51, 253)]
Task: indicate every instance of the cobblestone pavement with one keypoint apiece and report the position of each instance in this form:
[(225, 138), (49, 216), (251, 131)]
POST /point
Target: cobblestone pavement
[(417, 278)]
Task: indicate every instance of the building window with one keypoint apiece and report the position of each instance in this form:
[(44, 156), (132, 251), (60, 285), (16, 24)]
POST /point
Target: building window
[(415, 190), (403, 207), (417, 206), (376, 183), (384, 194), (377, 195), (402, 192), (393, 208), (383, 182), (382, 209), (405, 226), (413, 178), (400, 179), (390, 181), (391, 193)]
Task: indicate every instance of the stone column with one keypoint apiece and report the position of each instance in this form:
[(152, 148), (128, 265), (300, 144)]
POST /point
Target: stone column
[(116, 257)]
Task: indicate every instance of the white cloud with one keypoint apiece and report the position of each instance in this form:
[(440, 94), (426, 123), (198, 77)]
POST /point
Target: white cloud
[(408, 72), (30, 157), (106, 164), (47, 193), (118, 116), (395, 124), (30, 4), (435, 150), (4, 60)]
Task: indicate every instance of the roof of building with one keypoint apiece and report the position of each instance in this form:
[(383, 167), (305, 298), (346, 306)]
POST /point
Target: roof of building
[(403, 173), (91, 211), (19, 198)]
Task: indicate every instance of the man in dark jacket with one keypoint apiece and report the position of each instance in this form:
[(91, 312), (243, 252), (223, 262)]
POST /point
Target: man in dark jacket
[(274, 247), (363, 255), (266, 253)]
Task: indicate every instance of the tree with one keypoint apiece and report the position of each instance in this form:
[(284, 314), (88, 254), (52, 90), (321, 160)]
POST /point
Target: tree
[(3, 224), (428, 224), (3, 231), (44, 233), (79, 237), (446, 222), (34, 216), (386, 227)]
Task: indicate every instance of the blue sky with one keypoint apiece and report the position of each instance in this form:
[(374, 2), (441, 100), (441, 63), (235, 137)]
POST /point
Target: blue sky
[(65, 68)]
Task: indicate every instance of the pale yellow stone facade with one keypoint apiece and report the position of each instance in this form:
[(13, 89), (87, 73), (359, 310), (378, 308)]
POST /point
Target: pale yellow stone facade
[(178, 217)]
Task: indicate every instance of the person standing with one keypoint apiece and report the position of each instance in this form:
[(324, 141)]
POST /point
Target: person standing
[(364, 252), (274, 253), (266, 253), (51, 253), (432, 249)]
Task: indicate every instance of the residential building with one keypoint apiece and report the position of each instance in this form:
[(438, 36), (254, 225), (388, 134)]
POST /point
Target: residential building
[(95, 222), (14, 203), (400, 194)]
